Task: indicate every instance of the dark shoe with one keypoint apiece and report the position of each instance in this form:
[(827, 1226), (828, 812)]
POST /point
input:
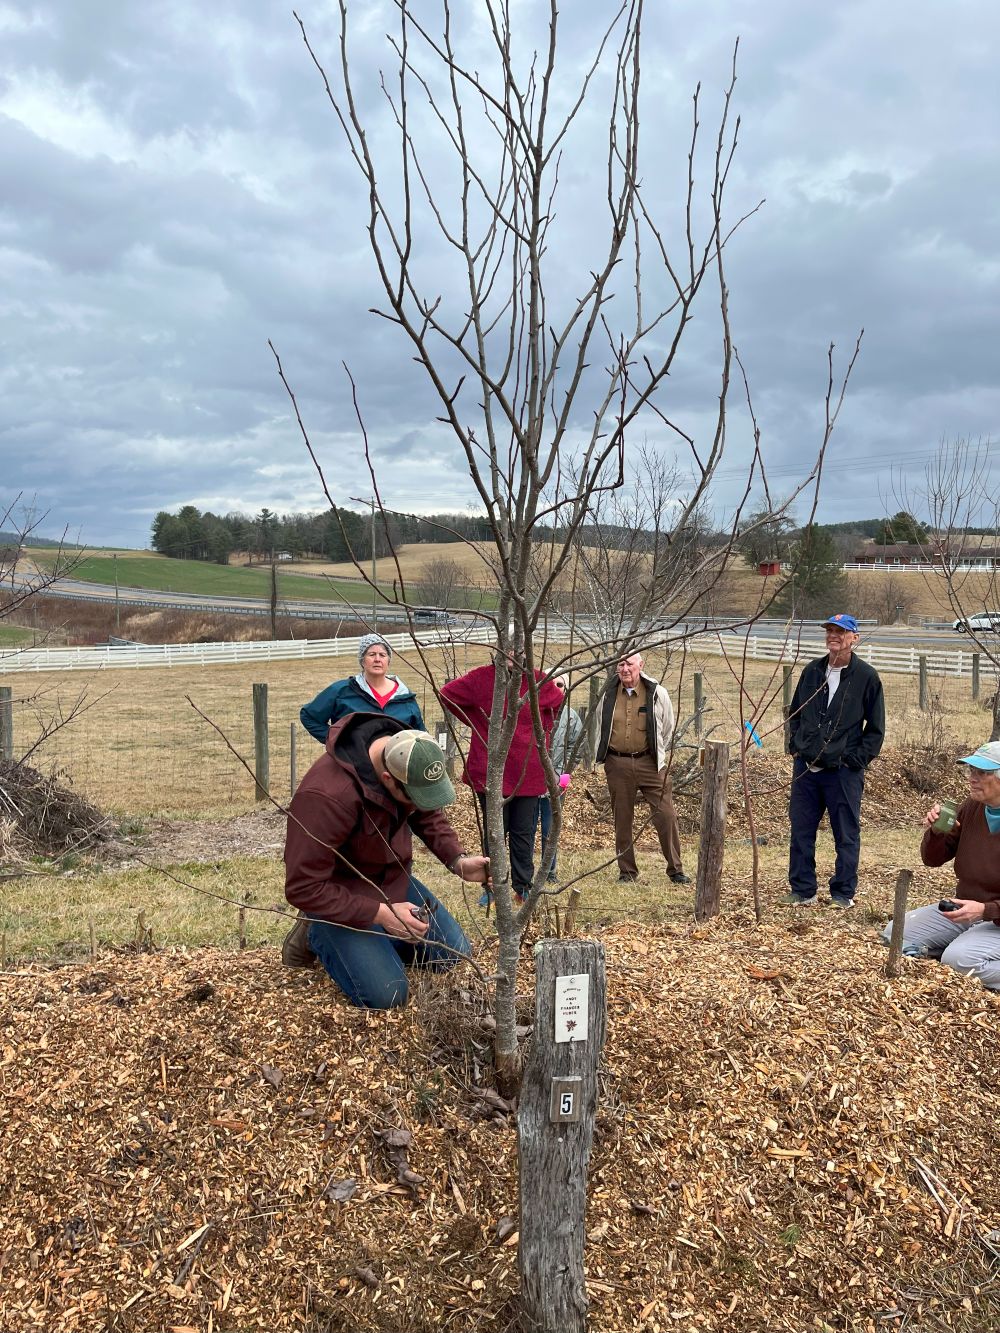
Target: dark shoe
[(680, 878), (295, 951), (844, 904), (797, 900), (627, 879)]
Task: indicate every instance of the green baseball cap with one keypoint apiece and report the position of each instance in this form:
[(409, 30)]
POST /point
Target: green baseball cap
[(416, 760)]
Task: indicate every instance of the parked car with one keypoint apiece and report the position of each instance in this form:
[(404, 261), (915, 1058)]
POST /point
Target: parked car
[(982, 620), (425, 615)]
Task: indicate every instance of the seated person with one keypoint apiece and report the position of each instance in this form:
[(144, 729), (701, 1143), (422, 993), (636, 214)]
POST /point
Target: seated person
[(349, 856), (968, 937)]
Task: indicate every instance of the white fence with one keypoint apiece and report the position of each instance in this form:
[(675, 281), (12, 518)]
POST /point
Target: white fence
[(212, 654), (903, 659)]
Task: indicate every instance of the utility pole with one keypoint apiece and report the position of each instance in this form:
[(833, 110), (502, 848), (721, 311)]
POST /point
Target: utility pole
[(118, 619), (371, 501)]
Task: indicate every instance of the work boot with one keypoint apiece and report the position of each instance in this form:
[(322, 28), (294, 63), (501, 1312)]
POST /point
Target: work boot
[(295, 951)]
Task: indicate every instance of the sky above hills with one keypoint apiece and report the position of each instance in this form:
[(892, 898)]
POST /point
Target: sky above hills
[(177, 192)]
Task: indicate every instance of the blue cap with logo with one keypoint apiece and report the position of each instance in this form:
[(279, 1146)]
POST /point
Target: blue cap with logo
[(841, 621)]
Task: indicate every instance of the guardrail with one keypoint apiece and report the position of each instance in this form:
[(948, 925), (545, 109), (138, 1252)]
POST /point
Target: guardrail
[(904, 659)]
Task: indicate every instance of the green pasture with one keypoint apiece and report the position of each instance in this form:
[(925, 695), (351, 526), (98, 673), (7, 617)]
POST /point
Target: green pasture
[(161, 574), (14, 638)]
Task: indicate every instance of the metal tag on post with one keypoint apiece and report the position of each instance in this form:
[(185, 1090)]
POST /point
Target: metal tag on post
[(564, 1103)]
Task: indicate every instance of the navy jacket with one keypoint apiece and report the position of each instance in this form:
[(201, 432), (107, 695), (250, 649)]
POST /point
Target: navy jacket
[(850, 731)]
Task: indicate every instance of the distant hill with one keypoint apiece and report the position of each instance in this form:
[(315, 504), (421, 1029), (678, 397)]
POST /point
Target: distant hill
[(14, 539)]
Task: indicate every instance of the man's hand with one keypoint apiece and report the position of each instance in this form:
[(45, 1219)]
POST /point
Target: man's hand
[(473, 869), (401, 920), (968, 911), (930, 817)]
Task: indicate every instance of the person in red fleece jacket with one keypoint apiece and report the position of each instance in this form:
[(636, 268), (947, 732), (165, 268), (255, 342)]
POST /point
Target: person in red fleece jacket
[(470, 699), (965, 936)]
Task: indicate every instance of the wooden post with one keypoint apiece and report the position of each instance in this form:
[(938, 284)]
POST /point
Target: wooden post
[(569, 922), (274, 599), (241, 918), (708, 886), (92, 932), (922, 665), (261, 753), (903, 881), (443, 736), (555, 1123), (786, 701), (292, 738), (7, 723), (975, 676), (699, 704)]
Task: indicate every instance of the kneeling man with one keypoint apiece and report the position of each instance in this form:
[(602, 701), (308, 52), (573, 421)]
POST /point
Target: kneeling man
[(967, 937), (348, 859)]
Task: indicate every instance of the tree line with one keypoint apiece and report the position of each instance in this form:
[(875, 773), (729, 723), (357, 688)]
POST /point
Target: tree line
[(337, 535)]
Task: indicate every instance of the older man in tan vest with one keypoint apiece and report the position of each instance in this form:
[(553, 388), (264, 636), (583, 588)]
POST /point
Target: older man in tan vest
[(637, 722)]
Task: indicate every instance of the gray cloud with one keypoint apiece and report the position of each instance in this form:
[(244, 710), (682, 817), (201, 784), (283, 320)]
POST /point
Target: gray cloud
[(177, 192)]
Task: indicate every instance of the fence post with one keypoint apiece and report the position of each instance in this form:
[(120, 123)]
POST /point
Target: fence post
[(261, 753), (903, 881), (699, 704), (922, 666), (292, 777), (555, 1123), (786, 701), (708, 886), (444, 738), (975, 676), (6, 722)]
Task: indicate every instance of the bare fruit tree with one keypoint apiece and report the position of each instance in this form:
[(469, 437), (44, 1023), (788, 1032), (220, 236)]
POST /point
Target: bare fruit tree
[(21, 578), (552, 349), (962, 502)]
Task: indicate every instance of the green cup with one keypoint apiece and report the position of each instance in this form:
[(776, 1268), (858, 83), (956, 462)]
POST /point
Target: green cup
[(947, 815)]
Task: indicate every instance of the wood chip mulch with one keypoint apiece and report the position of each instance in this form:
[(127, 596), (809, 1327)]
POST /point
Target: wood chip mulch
[(785, 1141)]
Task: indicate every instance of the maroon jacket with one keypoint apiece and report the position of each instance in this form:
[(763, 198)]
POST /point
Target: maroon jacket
[(343, 833), (977, 858), (470, 698)]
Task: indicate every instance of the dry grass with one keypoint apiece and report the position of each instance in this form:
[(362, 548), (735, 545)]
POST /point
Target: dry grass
[(140, 748)]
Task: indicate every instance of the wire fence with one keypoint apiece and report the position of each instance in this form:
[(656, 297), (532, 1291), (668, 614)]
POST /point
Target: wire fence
[(167, 740)]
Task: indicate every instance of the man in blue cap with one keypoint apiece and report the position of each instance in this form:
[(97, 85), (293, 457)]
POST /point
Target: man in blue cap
[(836, 726), (964, 930)]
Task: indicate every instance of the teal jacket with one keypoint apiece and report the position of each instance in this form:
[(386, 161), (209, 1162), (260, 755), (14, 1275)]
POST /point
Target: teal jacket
[(353, 696)]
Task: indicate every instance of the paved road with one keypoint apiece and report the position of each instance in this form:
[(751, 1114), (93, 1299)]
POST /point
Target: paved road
[(82, 590)]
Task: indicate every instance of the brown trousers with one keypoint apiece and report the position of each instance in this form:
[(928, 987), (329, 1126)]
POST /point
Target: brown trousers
[(627, 780)]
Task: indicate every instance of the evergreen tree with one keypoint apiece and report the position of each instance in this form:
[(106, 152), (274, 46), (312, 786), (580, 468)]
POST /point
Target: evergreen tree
[(817, 585), (902, 527)]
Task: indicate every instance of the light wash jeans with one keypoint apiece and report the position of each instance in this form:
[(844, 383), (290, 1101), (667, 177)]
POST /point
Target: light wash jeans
[(974, 950)]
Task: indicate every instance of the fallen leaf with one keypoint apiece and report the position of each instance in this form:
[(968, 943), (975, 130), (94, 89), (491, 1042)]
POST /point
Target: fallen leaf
[(272, 1075)]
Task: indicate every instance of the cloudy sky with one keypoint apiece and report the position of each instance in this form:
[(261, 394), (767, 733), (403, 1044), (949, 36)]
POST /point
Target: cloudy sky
[(176, 192)]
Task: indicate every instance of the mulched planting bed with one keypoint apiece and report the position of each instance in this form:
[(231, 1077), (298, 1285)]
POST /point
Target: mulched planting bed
[(785, 1141)]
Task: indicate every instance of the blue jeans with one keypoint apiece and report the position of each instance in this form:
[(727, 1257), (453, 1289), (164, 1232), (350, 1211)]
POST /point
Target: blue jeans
[(837, 791), (369, 965)]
